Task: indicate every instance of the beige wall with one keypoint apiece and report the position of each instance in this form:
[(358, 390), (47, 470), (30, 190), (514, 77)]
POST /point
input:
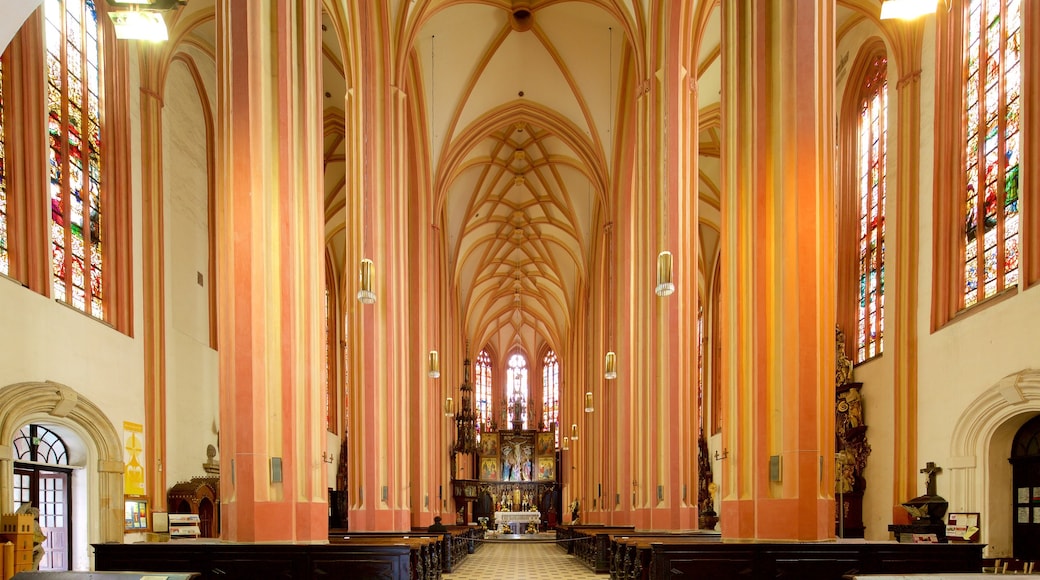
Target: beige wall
[(192, 388)]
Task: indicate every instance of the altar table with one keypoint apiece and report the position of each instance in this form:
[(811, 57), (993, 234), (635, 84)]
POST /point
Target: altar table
[(517, 518)]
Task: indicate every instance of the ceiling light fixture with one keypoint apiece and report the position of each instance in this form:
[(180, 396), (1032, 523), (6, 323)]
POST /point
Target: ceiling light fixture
[(141, 19), (907, 9)]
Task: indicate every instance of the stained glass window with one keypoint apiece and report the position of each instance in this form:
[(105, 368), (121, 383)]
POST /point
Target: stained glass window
[(483, 390), (74, 128), (5, 261), (700, 366), (993, 104), (516, 380), (328, 361), (872, 170), (551, 392)]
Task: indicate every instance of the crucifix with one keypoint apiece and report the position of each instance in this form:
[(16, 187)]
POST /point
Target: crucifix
[(931, 469)]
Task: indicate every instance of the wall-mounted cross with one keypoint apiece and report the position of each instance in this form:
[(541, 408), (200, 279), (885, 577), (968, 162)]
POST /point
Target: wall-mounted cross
[(931, 469)]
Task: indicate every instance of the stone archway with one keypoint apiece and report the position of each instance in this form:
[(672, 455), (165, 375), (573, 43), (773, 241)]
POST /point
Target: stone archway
[(23, 403), (978, 468)]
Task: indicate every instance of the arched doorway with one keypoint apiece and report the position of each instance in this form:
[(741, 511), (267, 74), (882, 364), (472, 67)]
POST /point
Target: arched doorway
[(91, 437), (43, 479), (1025, 477), (979, 475)]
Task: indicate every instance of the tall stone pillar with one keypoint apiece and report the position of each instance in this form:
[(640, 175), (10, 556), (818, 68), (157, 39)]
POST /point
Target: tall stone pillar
[(270, 271), (390, 366), (658, 346), (777, 317)]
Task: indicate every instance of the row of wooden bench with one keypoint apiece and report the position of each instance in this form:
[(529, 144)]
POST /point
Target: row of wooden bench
[(621, 550), (431, 553), (415, 555), (630, 554)]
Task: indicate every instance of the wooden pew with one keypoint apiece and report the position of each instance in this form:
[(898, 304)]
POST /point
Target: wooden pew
[(216, 560), (564, 533), (810, 560), (425, 551), (459, 542), (630, 554), (592, 545)]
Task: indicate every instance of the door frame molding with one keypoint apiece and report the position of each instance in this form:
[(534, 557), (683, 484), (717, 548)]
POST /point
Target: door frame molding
[(54, 403), (978, 468)]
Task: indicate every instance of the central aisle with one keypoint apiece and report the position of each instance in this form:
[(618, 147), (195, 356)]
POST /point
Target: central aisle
[(521, 560)]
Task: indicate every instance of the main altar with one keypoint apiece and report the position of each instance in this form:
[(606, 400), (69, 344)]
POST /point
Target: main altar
[(515, 470)]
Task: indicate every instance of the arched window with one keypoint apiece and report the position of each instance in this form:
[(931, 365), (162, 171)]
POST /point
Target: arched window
[(328, 360), (700, 365), (993, 108), (5, 266), (872, 171), (483, 390), (40, 445), (516, 383), (74, 126), (551, 393), (862, 192)]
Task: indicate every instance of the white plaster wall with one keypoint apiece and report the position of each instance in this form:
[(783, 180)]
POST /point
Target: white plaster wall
[(192, 389), (12, 14)]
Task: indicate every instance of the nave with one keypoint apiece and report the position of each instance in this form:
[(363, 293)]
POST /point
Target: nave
[(520, 560)]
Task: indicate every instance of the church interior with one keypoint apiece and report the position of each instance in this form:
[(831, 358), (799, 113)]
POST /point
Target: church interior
[(701, 267)]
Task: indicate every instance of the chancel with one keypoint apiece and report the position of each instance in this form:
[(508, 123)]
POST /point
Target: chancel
[(689, 287)]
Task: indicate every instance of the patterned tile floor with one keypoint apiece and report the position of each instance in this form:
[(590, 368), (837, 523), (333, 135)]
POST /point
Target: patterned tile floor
[(521, 560)]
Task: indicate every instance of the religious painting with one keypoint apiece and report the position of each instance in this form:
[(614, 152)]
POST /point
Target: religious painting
[(489, 469), (546, 468), (546, 443), (489, 444)]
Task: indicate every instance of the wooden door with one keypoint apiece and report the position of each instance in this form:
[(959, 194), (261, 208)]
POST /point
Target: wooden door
[(47, 490), (1025, 495)]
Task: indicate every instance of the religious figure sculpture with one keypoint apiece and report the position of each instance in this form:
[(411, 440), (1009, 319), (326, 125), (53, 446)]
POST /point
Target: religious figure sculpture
[(850, 442)]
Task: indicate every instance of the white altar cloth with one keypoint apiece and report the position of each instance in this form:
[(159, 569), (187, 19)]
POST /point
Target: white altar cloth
[(519, 517)]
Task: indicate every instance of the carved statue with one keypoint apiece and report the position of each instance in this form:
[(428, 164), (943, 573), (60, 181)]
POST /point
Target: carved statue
[(850, 442), (842, 364)]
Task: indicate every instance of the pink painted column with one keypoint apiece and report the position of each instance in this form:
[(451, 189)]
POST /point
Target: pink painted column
[(657, 375), (270, 272), (390, 366), (778, 284)]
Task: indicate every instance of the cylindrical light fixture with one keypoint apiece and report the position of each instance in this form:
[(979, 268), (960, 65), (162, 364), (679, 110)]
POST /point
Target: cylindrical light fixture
[(588, 402), (449, 407), (434, 365), (365, 293), (665, 287), (610, 371), (566, 444), (574, 432)]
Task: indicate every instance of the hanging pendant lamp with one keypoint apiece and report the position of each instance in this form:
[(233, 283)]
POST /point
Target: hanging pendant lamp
[(365, 293), (434, 365), (665, 287), (588, 402), (610, 371)]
